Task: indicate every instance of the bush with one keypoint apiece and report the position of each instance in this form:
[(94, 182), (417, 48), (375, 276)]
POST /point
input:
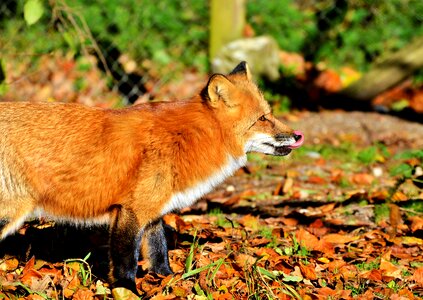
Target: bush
[(176, 32)]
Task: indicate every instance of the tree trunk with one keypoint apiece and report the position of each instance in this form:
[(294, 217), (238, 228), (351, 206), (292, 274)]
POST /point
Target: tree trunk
[(227, 20)]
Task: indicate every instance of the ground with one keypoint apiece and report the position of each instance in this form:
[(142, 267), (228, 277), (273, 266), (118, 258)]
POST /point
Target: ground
[(340, 218)]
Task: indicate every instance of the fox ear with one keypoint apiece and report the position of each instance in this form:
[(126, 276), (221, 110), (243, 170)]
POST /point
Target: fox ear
[(219, 89), (243, 69)]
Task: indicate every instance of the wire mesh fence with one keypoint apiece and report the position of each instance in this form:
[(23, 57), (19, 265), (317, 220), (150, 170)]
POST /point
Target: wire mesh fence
[(130, 41)]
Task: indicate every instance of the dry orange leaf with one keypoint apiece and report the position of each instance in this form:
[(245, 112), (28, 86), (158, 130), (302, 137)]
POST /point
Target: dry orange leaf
[(390, 269), (9, 264), (336, 238), (69, 290), (399, 196), (250, 222), (34, 297), (28, 277), (416, 223), (316, 179), (325, 247), (86, 295), (308, 271), (175, 222), (119, 294), (418, 276), (375, 275), (244, 260), (362, 178), (307, 239)]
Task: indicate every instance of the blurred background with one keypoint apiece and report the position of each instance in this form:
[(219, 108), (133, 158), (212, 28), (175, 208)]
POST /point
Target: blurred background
[(305, 54)]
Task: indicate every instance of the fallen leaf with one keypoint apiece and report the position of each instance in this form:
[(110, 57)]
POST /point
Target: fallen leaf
[(418, 276), (390, 269), (250, 222), (416, 223), (308, 271), (375, 275), (9, 264), (362, 178), (244, 260), (336, 238), (306, 239), (399, 196), (71, 287), (123, 294)]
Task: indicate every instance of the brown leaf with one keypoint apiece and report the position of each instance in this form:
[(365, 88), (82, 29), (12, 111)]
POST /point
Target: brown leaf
[(9, 264), (362, 178), (418, 276), (399, 196), (416, 223), (84, 295), (34, 297), (336, 238), (175, 222), (29, 265), (71, 287), (336, 265), (316, 179), (250, 222), (375, 275), (390, 269), (325, 247), (245, 260), (308, 271), (289, 221), (306, 239), (122, 294), (29, 276)]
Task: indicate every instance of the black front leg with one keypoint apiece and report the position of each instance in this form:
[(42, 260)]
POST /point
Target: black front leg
[(154, 248), (125, 237)]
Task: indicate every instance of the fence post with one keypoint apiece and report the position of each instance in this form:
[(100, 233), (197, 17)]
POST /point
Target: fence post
[(227, 21)]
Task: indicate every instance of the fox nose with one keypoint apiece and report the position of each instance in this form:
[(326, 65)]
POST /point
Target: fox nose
[(299, 139), (298, 135)]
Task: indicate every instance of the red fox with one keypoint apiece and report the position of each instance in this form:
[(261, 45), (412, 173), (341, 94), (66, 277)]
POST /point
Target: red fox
[(131, 166)]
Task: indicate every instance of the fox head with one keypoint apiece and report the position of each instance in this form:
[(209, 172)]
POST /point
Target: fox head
[(243, 111)]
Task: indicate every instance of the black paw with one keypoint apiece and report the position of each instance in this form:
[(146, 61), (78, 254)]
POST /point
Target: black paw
[(162, 269)]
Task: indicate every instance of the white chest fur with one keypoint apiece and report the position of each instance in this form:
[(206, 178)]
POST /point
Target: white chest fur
[(190, 195)]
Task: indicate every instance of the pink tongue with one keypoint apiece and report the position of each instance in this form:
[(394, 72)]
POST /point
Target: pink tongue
[(299, 142)]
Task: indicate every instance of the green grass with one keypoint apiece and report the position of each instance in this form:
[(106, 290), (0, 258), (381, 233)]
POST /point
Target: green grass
[(368, 266)]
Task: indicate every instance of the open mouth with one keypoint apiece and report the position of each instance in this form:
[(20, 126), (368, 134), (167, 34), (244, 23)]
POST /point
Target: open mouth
[(284, 150)]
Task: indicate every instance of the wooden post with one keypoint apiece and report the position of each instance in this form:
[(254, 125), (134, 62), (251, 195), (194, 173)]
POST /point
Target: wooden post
[(227, 21)]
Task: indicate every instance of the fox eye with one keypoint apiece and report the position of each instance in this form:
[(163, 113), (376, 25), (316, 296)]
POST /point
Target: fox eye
[(262, 118)]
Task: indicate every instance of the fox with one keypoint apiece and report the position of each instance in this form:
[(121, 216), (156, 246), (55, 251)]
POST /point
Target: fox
[(129, 167)]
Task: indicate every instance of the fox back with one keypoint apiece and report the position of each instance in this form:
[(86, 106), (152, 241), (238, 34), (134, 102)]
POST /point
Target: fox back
[(129, 167)]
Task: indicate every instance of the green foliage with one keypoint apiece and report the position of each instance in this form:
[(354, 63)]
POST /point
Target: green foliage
[(404, 169), (369, 29), (295, 249), (381, 212), (176, 32), (368, 266), (164, 31), (33, 11), (365, 31), (283, 20), (373, 154)]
